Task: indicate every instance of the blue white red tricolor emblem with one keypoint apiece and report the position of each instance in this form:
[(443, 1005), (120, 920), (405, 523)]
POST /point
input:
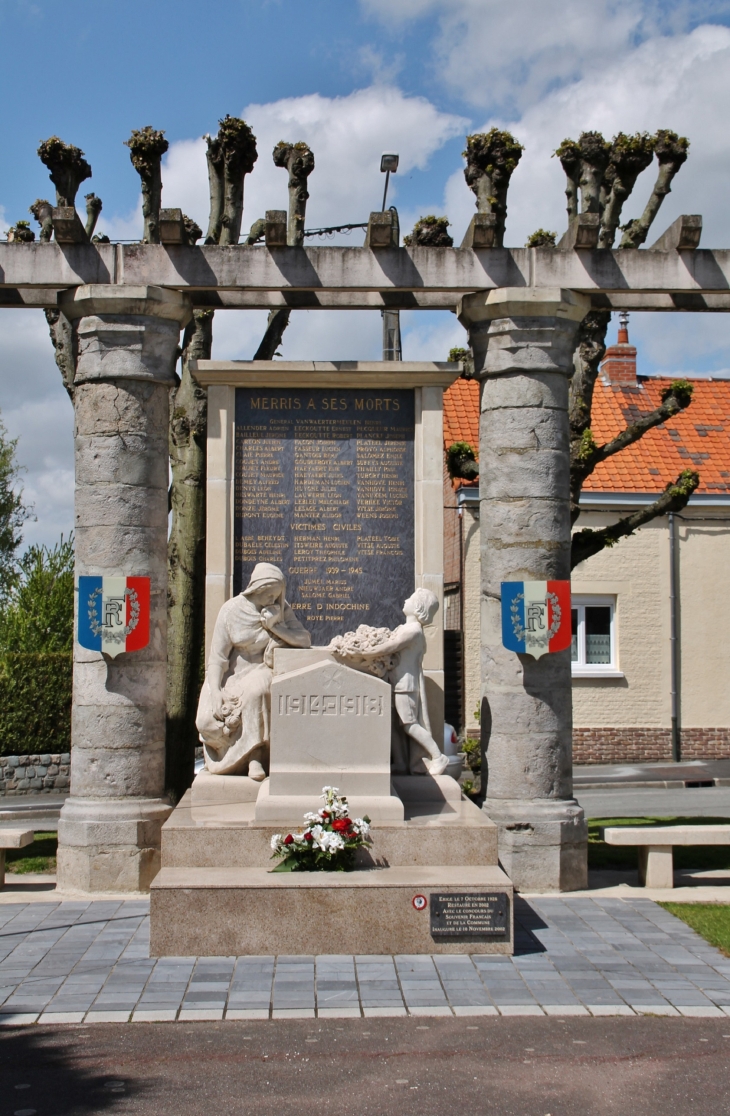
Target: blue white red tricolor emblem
[(536, 616), (114, 614)]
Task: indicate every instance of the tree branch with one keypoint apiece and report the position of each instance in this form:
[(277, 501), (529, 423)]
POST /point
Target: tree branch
[(675, 497), (93, 209), (63, 339), (630, 155), (186, 555), (42, 210), (491, 158), (298, 160), (671, 152), (278, 321), (68, 168), (146, 148)]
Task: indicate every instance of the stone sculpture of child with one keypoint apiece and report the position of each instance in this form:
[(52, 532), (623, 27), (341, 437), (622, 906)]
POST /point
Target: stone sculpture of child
[(406, 646)]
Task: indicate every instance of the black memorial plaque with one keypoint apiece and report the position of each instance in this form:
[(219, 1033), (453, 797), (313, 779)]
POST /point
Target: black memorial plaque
[(470, 916), (324, 490)]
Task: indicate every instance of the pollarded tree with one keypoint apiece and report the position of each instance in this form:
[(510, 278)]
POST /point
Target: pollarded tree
[(231, 156), (491, 158), (68, 168), (429, 232), (298, 160), (146, 148), (600, 177)]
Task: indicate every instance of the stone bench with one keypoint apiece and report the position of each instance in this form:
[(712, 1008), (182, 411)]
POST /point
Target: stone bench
[(656, 845), (12, 839)]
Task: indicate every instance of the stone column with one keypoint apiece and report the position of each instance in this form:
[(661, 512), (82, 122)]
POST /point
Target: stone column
[(522, 341), (127, 339)]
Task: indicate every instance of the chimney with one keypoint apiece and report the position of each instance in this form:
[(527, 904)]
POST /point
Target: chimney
[(619, 364)]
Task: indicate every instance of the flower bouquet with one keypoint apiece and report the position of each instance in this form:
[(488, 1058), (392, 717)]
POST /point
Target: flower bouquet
[(329, 842)]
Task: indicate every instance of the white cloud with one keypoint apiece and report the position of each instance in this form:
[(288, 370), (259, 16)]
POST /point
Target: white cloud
[(37, 411), (347, 136), (509, 55), (680, 82)]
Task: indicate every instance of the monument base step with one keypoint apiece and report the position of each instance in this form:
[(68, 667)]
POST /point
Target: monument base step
[(214, 826), (289, 809), (234, 912)]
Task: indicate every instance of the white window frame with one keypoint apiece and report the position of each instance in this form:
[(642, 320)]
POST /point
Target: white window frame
[(582, 669)]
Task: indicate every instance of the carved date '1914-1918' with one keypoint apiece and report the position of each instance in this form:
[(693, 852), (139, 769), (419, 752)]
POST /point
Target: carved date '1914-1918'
[(331, 705)]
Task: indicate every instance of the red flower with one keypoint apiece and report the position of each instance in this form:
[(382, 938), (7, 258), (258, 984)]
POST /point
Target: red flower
[(288, 839), (342, 825), (308, 836)]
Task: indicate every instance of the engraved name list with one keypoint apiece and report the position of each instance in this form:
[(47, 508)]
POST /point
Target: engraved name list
[(324, 489)]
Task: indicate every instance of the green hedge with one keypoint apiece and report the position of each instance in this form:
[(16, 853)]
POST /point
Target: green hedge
[(35, 703)]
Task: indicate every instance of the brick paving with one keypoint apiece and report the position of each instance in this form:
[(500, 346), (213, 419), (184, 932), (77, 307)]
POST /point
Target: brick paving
[(70, 962)]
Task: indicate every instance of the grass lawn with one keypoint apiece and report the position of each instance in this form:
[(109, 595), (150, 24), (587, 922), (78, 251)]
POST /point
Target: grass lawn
[(38, 857), (711, 920), (601, 855)]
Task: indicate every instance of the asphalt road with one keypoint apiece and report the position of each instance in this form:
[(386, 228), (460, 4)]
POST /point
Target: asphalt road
[(616, 802), (433, 1067)]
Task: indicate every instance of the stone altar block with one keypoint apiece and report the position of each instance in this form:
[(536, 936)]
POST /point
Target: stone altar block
[(330, 726)]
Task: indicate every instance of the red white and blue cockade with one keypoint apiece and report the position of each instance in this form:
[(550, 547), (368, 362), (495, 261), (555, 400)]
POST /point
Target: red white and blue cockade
[(536, 616), (114, 614)]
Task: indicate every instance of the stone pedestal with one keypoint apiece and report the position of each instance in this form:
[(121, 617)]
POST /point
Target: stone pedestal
[(109, 830), (522, 340)]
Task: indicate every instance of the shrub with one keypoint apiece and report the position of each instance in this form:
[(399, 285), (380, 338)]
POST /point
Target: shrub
[(35, 699)]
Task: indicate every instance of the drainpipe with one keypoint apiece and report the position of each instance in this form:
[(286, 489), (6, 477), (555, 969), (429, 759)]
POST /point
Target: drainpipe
[(674, 639)]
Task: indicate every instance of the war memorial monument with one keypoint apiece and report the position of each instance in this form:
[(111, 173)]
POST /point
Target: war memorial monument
[(324, 564)]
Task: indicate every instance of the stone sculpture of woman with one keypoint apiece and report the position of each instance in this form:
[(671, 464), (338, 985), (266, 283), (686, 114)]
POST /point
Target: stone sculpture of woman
[(235, 702)]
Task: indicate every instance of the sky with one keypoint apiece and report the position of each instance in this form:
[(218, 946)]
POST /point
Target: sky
[(351, 79)]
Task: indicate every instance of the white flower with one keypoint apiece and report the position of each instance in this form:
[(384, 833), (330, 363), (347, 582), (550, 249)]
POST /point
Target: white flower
[(276, 842), (361, 827)]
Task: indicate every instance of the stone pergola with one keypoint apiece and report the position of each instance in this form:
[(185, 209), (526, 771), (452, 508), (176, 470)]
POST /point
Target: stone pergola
[(521, 308)]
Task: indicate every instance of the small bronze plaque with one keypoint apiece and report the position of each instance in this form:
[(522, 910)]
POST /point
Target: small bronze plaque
[(470, 916)]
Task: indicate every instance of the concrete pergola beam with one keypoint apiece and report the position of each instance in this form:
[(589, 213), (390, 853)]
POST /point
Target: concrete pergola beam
[(351, 273)]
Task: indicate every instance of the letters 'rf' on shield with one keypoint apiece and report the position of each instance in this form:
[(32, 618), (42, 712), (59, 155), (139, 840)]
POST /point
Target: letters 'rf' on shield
[(536, 616), (114, 614)]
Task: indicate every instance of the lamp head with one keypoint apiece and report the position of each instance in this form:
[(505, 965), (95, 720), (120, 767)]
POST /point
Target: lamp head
[(388, 162)]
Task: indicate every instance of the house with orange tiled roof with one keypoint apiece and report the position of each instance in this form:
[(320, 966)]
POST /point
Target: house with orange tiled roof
[(651, 660)]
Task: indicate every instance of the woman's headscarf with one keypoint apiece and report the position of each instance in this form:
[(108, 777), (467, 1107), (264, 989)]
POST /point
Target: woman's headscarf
[(263, 575)]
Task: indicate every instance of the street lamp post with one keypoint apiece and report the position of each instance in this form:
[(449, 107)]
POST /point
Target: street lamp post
[(391, 318)]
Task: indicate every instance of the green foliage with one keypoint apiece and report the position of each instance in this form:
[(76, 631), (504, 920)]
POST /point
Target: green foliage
[(146, 148), (430, 232), (492, 151), (461, 461), (587, 445), (68, 168), (36, 616), (687, 481), (710, 920), (670, 148), (36, 640), (456, 355), (20, 233), (541, 238), (35, 697), (681, 390), (473, 750), (40, 856), (13, 512)]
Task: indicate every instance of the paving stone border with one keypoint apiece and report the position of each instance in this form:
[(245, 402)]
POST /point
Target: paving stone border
[(40, 774), (89, 961)]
